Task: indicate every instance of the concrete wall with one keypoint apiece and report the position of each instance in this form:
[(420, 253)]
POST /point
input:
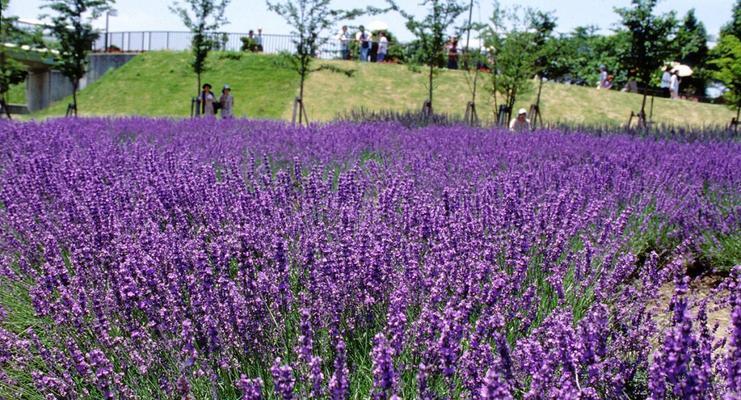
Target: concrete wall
[(44, 86), (100, 63)]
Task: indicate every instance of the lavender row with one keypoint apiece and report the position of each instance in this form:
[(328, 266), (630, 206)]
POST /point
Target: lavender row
[(187, 259)]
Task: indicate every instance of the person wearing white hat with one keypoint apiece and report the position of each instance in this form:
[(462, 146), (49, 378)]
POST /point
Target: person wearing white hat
[(520, 123), (227, 102)]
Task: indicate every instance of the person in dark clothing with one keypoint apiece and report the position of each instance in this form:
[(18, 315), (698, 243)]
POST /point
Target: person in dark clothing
[(452, 53)]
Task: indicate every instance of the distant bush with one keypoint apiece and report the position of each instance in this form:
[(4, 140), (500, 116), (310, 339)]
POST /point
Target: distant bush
[(230, 55)]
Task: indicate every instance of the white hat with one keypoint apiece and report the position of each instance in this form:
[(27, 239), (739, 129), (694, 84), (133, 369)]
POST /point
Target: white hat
[(521, 111), (227, 87)]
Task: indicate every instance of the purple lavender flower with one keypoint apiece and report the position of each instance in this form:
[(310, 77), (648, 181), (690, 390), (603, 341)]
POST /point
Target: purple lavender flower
[(283, 379), (384, 376), (339, 384), (493, 388), (525, 265), (251, 388)]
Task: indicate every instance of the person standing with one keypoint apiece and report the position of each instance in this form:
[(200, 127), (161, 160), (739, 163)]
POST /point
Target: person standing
[(383, 47), (227, 103), (453, 53), (258, 40), (344, 38), (666, 81), (520, 123), (373, 54), (364, 43), (207, 101), (674, 85), (602, 77)]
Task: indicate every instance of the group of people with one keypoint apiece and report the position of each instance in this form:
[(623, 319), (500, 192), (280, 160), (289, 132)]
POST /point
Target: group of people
[(257, 38), (670, 81), (373, 48), (209, 106)]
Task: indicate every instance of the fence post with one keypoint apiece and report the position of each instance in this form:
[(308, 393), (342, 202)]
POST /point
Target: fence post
[(167, 42)]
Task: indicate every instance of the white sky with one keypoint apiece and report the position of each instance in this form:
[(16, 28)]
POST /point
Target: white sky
[(138, 15)]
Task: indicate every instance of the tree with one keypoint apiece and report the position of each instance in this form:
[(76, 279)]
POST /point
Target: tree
[(513, 40), (473, 62), (202, 18), (431, 34), (75, 36), (575, 57), (11, 72), (692, 49), (726, 59), (546, 48), (309, 20), (649, 42), (734, 26)]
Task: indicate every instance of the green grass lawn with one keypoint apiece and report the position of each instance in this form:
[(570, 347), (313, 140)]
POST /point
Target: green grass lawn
[(161, 84)]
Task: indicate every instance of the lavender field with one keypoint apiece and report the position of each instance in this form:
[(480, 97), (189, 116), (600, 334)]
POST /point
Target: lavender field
[(159, 259)]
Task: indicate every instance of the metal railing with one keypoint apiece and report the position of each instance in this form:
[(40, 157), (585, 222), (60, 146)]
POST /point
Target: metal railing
[(32, 27), (139, 41)]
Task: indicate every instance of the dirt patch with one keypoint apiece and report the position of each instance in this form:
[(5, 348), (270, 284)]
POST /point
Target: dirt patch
[(702, 288)]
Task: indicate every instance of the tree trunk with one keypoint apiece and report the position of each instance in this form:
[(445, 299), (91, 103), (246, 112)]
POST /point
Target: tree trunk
[(642, 115), (198, 83), (540, 88), (429, 97), (301, 97), (75, 85)]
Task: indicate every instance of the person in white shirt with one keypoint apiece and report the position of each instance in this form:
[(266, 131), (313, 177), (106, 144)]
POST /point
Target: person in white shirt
[(602, 77), (344, 38), (520, 123), (258, 40), (674, 85), (383, 47), (666, 81)]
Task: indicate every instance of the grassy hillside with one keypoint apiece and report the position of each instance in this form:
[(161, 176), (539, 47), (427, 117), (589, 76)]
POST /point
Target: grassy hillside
[(397, 87), (161, 84)]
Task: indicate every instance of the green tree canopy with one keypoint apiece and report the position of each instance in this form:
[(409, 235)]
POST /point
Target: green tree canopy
[(692, 49), (431, 32), (727, 63), (734, 26), (75, 36), (516, 39), (11, 72), (203, 18), (309, 19), (649, 41)]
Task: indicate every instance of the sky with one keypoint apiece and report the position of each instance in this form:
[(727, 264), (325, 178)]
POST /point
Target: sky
[(243, 15)]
